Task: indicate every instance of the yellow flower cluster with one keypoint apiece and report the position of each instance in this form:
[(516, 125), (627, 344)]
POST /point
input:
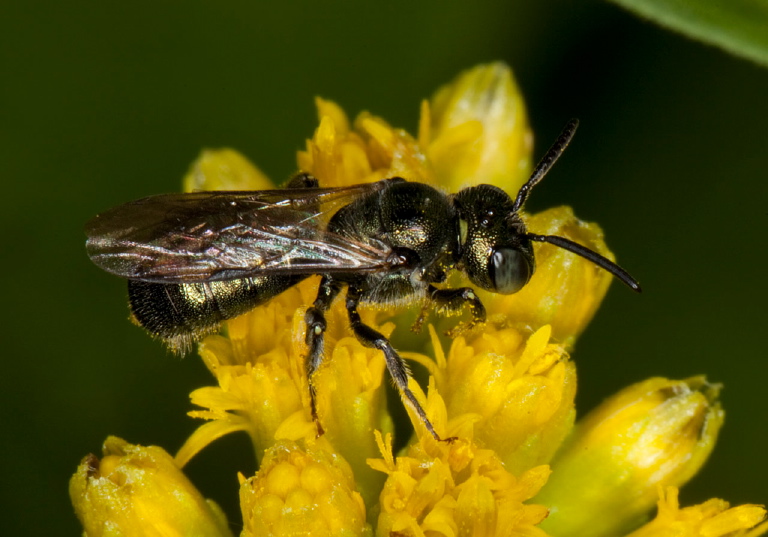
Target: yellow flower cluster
[(518, 465), (455, 489)]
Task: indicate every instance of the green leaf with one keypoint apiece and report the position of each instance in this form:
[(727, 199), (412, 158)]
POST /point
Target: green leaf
[(738, 26)]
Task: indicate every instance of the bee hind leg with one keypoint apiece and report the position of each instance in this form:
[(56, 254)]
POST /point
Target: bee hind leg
[(397, 367)]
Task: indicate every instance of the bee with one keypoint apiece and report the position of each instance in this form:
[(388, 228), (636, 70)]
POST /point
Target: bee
[(197, 259)]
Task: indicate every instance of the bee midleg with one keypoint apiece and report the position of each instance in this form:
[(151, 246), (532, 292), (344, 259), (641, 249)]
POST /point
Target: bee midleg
[(449, 301), (395, 363), (183, 313), (315, 337)]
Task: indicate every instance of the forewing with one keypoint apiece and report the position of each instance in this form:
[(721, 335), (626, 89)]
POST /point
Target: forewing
[(209, 236)]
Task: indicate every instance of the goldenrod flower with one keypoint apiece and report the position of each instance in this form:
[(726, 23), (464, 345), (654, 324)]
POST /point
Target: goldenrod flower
[(503, 391), (455, 489), (514, 390)]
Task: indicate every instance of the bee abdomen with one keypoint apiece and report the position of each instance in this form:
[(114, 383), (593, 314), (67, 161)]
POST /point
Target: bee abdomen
[(181, 314)]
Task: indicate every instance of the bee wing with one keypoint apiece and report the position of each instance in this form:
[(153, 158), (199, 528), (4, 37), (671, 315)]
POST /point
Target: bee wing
[(209, 236)]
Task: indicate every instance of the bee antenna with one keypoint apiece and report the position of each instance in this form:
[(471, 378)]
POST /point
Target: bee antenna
[(546, 163), (586, 253)]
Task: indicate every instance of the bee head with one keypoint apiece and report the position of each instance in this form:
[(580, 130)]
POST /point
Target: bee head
[(495, 252), (495, 248)]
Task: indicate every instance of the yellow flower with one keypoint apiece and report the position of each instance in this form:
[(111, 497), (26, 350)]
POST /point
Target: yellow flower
[(135, 490), (515, 393), (441, 488), (503, 392), (263, 389), (712, 518)]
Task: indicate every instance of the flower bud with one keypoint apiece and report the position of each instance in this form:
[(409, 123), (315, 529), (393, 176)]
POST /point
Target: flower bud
[(475, 130), (302, 492), (224, 169), (136, 490), (606, 477)]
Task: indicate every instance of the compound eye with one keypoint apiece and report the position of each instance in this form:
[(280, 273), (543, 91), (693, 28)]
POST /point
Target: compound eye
[(509, 269)]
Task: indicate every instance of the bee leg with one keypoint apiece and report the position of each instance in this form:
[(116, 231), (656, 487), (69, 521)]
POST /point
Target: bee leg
[(315, 337), (395, 364), (451, 300), (418, 324), (303, 180)]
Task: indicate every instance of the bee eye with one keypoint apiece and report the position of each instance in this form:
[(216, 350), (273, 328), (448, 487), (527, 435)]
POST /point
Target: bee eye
[(509, 270)]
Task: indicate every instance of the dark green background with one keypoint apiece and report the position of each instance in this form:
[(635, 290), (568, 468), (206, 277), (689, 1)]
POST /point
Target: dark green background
[(103, 104)]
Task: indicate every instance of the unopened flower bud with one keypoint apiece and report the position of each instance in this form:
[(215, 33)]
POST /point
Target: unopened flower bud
[(302, 492), (137, 490), (224, 169), (606, 477), (475, 130)]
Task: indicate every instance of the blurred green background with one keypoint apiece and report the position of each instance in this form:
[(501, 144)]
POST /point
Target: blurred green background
[(101, 103)]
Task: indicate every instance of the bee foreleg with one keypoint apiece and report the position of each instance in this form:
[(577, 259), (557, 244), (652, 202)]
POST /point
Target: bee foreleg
[(452, 300), (395, 364)]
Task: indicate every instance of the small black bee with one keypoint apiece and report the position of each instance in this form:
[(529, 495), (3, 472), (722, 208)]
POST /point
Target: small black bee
[(194, 260)]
